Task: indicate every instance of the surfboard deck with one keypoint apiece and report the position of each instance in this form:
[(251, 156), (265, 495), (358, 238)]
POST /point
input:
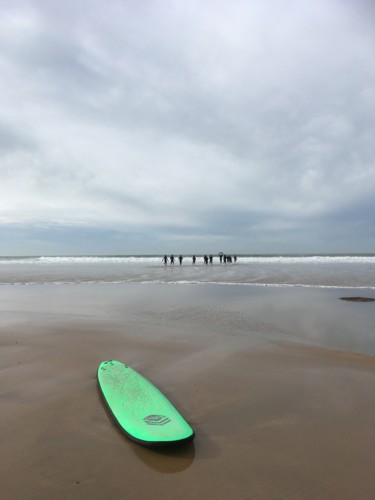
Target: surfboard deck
[(141, 411)]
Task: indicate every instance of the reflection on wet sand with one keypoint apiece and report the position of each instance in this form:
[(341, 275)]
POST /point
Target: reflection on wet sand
[(166, 459)]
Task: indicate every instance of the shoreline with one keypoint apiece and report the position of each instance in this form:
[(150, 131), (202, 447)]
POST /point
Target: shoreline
[(277, 385)]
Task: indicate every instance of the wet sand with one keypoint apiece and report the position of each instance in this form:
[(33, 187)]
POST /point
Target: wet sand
[(277, 383)]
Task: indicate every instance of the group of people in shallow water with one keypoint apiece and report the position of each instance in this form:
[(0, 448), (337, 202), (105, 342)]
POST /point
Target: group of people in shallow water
[(206, 259)]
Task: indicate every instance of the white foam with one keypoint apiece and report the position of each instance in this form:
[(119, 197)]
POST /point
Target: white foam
[(310, 259), (187, 282)]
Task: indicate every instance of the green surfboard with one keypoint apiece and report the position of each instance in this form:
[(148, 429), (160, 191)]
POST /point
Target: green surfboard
[(141, 411)]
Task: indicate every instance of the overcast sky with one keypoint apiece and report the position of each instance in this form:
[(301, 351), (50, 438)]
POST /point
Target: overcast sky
[(187, 126)]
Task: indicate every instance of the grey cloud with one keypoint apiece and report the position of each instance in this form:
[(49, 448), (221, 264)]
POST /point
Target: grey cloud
[(11, 140)]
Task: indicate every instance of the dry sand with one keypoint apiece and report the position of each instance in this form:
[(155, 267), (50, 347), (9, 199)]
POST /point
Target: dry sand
[(280, 410)]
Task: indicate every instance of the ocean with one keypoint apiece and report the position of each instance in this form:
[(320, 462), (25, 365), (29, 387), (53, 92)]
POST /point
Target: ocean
[(313, 271)]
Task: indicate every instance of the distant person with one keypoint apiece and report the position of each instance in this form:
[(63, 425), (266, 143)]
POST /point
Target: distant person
[(221, 258), (229, 259), (211, 259), (165, 259), (225, 259), (171, 258), (194, 259), (180, 259), (235, 258), (205, 258)]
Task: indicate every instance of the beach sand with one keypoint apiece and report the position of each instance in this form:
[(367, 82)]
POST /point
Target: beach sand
[(278, 385)]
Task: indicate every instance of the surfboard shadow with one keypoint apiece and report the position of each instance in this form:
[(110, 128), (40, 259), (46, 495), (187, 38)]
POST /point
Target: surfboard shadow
[(167, 459)]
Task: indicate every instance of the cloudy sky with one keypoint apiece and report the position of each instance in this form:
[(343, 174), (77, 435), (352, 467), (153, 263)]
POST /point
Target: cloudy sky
[(132, 126)]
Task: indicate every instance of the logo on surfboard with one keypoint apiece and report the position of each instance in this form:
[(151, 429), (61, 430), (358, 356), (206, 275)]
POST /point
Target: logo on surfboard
[(157, 420)]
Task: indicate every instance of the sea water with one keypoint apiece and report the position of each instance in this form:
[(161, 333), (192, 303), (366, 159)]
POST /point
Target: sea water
[(319, 271)]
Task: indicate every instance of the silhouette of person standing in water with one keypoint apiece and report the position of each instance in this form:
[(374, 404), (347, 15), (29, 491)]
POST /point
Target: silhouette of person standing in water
[(205, 258), (165, 260), (211, 258), (171, 258), (194, 259), (180, 259)]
